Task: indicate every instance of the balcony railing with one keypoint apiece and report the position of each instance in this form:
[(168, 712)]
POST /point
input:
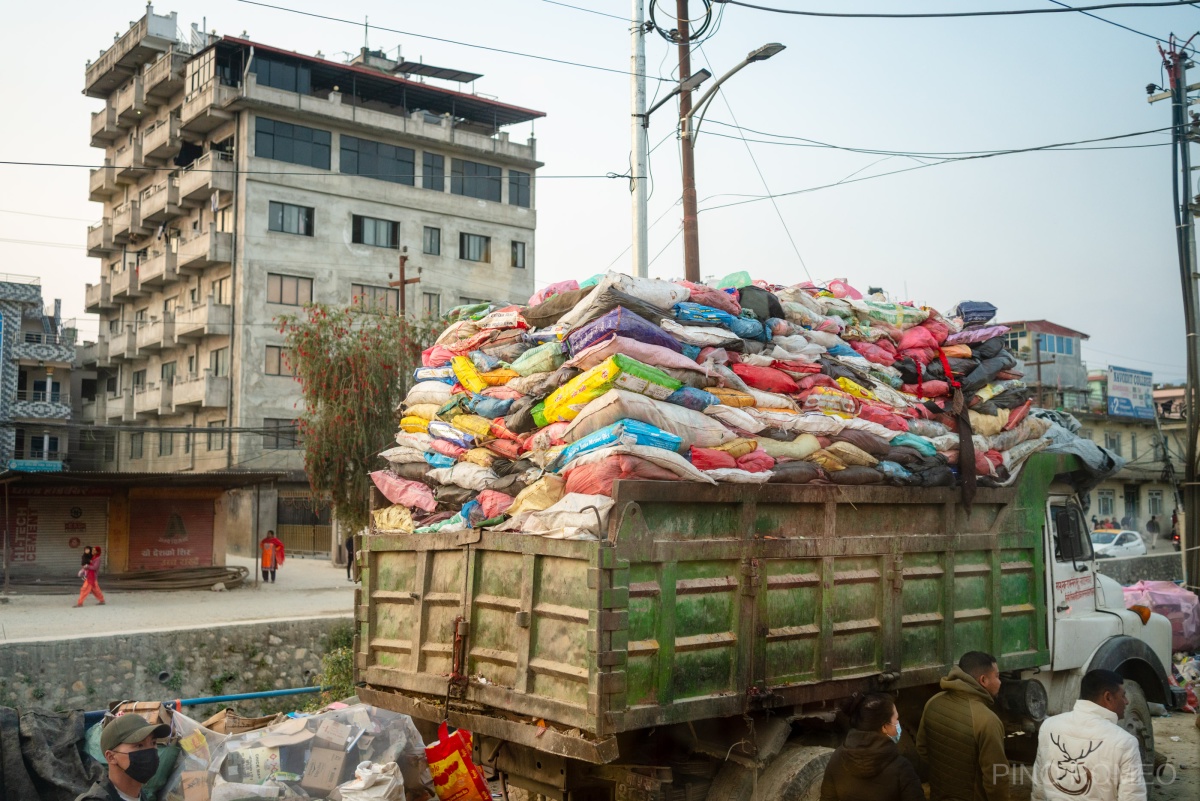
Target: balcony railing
[(127, 222), (102, 183), (152, 399), (206, 249), (151, 32), (126, 284), (41, 338), (130, 102), (164, 77), (204, 108), (100, 238), (44, 396), (98, 297), (160, 202), (156, 334), (119, 406), (123, 345), (159, 269), (206, 391), (212, 172), (104, 126), (129, 162), (161, 141), (203, 319), (94, 354)]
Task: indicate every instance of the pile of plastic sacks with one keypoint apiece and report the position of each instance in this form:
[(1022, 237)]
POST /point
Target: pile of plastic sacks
[(521, 418)]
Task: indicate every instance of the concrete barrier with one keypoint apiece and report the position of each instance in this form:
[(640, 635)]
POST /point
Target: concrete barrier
[(1156, 566)]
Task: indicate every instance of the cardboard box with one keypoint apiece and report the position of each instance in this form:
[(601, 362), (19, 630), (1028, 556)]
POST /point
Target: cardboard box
[(324, 770), (227, 722), (251, 765), (195, 785), (331, 734)]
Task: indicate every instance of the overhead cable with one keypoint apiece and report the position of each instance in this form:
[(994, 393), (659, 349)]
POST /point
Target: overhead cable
[(951, 14)]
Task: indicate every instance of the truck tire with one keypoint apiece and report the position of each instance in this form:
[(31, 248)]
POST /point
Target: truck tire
[(1137, 721), (794, 775)]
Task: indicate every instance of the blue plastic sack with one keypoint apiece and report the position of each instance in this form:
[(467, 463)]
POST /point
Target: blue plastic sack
[(483, 362), (438, 460), (621, 322), (842, 349), (691, 398), (442, 374), (625, 431), (699, 314), (471, 508), (895, 473), (451, 434), (920, 444), (747, 328), (491, 408), (691, 351)]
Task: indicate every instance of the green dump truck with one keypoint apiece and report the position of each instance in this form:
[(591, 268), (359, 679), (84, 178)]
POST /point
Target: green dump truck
[(704, 647)]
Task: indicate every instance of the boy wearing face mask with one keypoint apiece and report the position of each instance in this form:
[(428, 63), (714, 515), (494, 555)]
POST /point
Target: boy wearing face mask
[(869, 766), (129, 750)]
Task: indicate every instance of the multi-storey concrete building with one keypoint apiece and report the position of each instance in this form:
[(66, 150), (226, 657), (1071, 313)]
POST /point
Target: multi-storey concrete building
[(1053, 357), (242, 181)]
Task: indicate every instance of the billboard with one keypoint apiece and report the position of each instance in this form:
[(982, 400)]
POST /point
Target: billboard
[(1130, 393)]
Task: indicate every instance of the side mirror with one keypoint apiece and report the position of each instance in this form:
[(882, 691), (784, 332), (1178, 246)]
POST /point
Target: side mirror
[(1068, 536)]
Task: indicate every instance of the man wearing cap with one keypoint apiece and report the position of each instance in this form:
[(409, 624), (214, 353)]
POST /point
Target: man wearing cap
[(129, 750)]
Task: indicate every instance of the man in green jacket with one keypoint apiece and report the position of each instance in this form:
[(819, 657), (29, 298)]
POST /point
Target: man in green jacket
[(960, 740)]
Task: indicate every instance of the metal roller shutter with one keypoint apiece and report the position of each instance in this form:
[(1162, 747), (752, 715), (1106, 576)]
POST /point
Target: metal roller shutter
[(47, 533), (166, 533)]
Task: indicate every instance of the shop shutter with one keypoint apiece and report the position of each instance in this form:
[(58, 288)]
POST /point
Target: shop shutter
[(166, 533), (47, 533)]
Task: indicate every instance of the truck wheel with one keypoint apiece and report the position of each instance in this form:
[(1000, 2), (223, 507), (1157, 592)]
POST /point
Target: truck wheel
[(796, 774), (1137, 721)]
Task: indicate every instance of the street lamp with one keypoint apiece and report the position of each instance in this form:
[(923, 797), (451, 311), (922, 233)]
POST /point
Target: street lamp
[(691, 229)]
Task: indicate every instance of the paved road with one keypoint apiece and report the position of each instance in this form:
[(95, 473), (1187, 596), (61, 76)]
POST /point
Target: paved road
[(304, 588)]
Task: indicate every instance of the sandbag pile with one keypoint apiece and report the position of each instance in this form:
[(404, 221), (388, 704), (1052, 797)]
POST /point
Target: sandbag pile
[(521, 418)]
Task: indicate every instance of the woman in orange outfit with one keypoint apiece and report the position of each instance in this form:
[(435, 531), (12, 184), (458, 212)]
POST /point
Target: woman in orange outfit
[(90, 585), (272, 556)]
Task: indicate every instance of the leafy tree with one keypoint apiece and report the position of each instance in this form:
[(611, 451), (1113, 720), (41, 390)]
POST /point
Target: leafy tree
[(354, 365)]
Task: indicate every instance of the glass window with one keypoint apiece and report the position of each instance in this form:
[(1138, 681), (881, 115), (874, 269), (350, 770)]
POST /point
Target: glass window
[(289, 290), (289, 219), (518, 254), (476, 180), (1133, 448), (216, 435), (433, 172), (166, 443), (376, 298), (1070, 346), (432, 241), (279, 361), (167, 373), (137, 445), (1154, 501), (220, 291), (282, 75), (1077, 531), (431, 304), (109, 442), (280, 434), (295, 144), (1113, 442), (187, 439), (218, 362), (139, 379), (377, 160), (1105, 503), (473, 247), (518, 188), (377, 233)]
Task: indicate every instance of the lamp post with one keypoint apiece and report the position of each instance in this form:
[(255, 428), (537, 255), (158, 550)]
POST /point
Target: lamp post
[(691, 229)]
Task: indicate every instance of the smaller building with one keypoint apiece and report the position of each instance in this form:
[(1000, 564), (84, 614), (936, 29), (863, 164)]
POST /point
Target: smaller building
[(1053, 359)]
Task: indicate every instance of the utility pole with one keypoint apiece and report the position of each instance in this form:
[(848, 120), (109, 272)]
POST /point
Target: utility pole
[(637, 181), (1175, 60), (1037, 344), (691, 230), (404, 282)]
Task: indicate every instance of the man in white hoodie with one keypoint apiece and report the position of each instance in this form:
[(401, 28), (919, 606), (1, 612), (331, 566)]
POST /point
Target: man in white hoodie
[(1084, 753)]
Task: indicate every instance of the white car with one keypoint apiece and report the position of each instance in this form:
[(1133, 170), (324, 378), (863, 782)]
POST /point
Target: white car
[(1117, 543)]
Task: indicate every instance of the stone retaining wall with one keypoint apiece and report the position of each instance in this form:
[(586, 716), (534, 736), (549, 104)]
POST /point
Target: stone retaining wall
[(1160, 566)]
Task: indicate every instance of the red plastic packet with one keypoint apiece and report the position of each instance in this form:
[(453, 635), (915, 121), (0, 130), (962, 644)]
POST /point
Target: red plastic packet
[(455, 777)]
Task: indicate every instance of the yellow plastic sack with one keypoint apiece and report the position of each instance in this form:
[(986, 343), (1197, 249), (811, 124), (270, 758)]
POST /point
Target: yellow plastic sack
[(498, 377), (826, 460), (855, 389), (988, 425), (566, 402), (850, 454), (541, 494), (427, 411), (732, 397), (394, 518), (737, 448), (413, 424), (800, 448), (467, 375), (480, 456), (473, 424)]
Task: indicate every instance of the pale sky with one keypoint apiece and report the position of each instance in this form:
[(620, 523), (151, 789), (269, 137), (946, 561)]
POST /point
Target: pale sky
[(1084, 239)]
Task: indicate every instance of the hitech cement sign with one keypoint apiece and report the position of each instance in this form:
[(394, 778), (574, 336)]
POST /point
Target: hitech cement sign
[(1130, 393)]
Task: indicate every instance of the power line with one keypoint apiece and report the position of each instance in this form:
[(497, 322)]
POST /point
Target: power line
[(1111, 22), (953, 14), (45, 216), (917, 155), (588, 10), (358, 24)]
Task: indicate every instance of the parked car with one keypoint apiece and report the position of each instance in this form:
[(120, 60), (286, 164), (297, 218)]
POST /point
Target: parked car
[(1117, 543)]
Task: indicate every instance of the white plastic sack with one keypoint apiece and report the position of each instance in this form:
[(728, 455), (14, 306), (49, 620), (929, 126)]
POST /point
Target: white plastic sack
[(733, 475), (403, 455), (772, 400), (465, 475), (734, 417), (417, 440), (704, 336), (428, 392), (572, 518), (800, 448), (692, 427), (372, 782)]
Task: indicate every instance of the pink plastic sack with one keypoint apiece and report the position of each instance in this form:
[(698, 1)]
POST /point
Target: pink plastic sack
[(711, 459), (757, 461), (412, 494), (557, 288), (713, 298), (917, 337), (766, 379), (840, 289), (1176, 604), (597, 478), (436, 356), (494, 503), (874, 353)]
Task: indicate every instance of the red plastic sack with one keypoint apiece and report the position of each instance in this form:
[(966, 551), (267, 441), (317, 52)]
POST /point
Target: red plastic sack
[(917, 337), (923, 356), (597, 478), (874, 353), (757, 461), (768, 379), (507, 448), (455, 777), (436, 356), (797, 370), (494, 503), (816, 380), (938, 328), (713, 298), (883, 416), (711, 459), (929, 389), (447, 448)]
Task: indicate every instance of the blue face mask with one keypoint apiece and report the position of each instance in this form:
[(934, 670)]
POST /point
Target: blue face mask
[(895, 738)]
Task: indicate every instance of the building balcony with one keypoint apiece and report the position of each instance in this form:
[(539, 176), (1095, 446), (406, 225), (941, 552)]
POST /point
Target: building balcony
[(123, 345), (205, 250), (156, 334), (97, 297), (50, 349), (204, 109), (100, 239), (92, 410), (102, 183), (162, 141), (119, 406), (158, 270), (94, 354), (206, 391), (164, 77), (212, 172), (160, 202), (202, 320), (127, 284), (130, 103), (152, 400), (129, 162), (150, 35), (31, 405), (127, 222), (104, 126)]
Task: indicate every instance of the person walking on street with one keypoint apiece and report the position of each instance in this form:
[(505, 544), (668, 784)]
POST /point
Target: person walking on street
[(869, 767), (1127, 521), (129, 750), (960, 739), (1085, 753), (349, 557), (272, 556), (90, 585), (1152, 529)]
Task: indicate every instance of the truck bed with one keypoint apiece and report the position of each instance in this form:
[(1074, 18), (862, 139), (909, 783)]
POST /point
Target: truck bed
[(704, 602)]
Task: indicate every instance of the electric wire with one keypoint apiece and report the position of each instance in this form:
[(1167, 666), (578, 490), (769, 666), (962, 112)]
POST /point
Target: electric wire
[(442, 39), (587, 10), (913, 155), (1111, 22), (953, 14)]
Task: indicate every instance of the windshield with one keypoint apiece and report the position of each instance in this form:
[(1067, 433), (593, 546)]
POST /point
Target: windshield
[(1103, 537)]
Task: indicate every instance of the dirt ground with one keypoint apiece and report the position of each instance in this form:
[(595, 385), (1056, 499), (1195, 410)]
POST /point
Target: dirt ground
[(1178, 777)]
